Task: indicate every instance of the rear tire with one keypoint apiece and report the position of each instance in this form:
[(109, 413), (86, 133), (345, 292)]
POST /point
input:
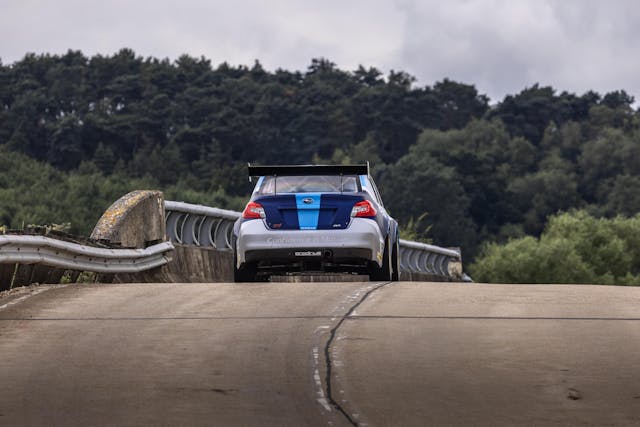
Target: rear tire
[(246, 272), (395, 262), (383, 273)]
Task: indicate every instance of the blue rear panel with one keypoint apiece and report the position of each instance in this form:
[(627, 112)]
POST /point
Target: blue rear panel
[(336, 210), (280, 211), (308, 211)]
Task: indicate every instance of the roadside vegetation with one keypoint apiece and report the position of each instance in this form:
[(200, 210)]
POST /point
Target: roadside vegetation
[(34, 192), (574, 248), (77, 132)]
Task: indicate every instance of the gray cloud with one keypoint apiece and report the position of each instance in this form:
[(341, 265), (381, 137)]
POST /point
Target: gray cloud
[(501, 46)]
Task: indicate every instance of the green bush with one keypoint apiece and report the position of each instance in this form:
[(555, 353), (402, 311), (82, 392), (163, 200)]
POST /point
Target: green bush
[(574, 248)]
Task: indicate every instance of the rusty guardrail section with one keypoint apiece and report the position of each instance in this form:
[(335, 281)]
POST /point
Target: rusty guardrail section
[(198, 225), (24, 249), (26, 259), (128, 239)]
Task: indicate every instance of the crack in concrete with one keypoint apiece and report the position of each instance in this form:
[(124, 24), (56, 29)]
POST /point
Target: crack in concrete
[(327, 354)]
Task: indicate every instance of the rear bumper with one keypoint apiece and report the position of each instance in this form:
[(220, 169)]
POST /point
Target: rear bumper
[(361, 240), (336, 255)]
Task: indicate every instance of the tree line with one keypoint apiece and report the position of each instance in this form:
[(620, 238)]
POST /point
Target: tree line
[(447, 160)]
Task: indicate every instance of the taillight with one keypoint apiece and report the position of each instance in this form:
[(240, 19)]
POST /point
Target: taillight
[(253, 210), (363, 209)]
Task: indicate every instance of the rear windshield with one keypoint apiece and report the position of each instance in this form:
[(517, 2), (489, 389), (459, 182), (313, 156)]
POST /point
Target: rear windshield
[(309, 184)]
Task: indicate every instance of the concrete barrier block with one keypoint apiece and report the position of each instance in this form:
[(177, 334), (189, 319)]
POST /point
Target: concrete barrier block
[(136, 220), (189, 264)]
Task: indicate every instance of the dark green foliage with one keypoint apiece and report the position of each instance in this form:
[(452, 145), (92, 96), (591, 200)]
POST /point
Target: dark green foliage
[(92, 128), (32, 192), (574, 248), (60, 109), (481, 183), (416, 184), (528, 113)]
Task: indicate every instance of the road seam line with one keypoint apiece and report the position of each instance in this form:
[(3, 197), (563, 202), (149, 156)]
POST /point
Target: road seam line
[(327, 353)]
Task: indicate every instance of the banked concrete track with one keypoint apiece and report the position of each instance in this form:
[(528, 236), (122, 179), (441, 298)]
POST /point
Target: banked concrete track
[(319, 354)]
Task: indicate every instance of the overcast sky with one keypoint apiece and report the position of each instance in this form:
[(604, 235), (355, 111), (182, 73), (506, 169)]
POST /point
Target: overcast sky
[(500, 46)]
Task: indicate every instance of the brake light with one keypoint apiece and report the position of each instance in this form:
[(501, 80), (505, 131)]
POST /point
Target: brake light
[(253, 210), (363, 209)]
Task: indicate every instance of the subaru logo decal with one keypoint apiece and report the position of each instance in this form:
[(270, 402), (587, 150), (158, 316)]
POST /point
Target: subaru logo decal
[(307, 201)]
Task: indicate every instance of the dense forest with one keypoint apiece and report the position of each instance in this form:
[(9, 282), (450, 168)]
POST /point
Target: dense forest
[(76, 132)]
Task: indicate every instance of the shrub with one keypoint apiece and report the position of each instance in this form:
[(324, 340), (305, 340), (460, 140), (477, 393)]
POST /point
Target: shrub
[(574, 248)]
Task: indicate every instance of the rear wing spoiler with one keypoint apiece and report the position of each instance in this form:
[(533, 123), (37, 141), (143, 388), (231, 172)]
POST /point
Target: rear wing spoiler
[(301, 170)]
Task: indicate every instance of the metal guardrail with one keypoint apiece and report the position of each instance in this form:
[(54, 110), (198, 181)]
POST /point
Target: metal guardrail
[(190, 224), (199, 225), (25, 249), (187, 224), (424, 258)]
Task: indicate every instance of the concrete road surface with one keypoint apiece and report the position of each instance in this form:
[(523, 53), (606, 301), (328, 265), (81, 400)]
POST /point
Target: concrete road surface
[(320, 354)]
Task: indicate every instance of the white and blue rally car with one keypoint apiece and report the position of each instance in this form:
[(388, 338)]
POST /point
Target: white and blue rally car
[(315, 218)]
